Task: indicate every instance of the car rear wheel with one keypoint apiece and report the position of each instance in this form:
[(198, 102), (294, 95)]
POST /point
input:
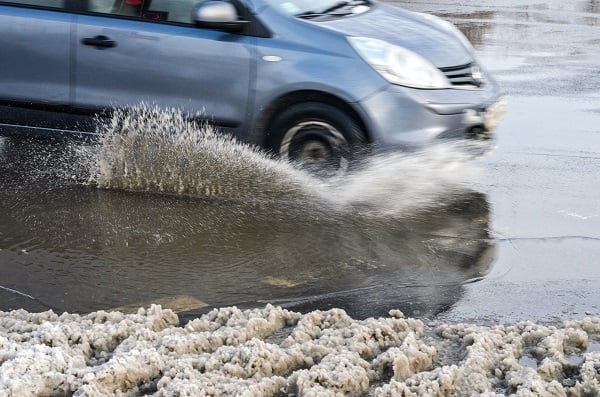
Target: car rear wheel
[(317, 136)]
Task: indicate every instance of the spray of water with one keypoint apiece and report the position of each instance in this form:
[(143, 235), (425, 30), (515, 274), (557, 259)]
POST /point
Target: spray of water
[(147, 149), (403, 183)]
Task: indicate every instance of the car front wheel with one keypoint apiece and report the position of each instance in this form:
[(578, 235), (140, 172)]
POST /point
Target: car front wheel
[(319, 137)]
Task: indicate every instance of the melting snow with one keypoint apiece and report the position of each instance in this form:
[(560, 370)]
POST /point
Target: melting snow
[(275, 352)]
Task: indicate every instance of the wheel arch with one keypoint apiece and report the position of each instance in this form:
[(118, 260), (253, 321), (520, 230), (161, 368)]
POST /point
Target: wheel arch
[(280, 103)]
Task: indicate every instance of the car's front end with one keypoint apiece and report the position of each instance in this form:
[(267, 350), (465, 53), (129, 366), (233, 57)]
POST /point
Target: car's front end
[(437, 88), (402, 116), (411, 78)]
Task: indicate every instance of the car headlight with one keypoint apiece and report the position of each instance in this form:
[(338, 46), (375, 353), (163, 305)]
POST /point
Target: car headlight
[(399, 65)]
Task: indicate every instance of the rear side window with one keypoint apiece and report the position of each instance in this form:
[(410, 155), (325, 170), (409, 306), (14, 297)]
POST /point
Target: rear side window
[(38, 3), (179, 11)]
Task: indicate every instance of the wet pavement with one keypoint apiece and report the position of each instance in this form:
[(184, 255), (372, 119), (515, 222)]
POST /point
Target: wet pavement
[(522, 243), (542, 178)]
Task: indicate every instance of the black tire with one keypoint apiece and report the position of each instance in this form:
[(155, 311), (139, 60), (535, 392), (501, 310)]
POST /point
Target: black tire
[(317, 136)]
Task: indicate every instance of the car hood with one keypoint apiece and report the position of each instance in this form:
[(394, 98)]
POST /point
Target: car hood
[(414, 31)]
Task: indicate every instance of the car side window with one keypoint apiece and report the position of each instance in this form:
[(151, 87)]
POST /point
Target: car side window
[(38, 3), (179, 11)]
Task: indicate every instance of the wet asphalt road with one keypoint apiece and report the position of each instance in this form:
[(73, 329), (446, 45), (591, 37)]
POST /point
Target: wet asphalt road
[(542, 180), (531, 225)]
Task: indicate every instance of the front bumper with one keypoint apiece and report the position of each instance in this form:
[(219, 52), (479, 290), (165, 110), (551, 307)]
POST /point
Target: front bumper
[(409, 118)]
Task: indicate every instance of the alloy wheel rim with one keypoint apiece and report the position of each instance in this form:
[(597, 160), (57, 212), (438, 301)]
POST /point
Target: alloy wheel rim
[(315, 145)]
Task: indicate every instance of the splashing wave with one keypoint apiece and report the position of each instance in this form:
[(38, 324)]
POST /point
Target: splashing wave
[(148, 149)]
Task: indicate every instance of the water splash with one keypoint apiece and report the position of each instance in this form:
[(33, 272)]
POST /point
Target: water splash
[(147, 149), (404, 182)]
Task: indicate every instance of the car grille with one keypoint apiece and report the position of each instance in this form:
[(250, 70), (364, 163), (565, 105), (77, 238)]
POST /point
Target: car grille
[(468, 75)]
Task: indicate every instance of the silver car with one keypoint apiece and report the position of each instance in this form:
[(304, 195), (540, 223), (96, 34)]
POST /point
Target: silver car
[(310, 80)]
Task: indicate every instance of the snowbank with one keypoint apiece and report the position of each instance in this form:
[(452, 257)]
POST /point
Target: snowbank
[(275, 352)]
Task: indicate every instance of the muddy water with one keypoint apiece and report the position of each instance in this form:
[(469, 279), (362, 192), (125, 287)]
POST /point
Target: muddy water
[(205, 222)]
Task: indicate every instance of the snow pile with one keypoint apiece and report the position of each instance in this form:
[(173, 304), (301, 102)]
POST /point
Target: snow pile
[(275, 352)]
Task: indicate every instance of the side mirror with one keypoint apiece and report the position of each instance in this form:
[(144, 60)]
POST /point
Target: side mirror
[(218, 15)]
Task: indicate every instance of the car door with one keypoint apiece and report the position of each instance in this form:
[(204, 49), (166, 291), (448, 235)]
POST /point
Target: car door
[(34, 64), (148, 51)]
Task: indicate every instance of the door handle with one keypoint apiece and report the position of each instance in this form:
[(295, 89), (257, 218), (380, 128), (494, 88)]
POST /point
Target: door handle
[(99, 41)]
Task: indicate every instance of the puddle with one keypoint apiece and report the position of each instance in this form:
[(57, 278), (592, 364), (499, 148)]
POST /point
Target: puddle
[(591, 6), (593, 346), (165, 209), (528, 362)]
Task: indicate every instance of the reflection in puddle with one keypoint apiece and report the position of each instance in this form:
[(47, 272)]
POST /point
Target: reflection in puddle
[(591, 6), (78, 248), (474, 31), (487, 25), (531, 16)]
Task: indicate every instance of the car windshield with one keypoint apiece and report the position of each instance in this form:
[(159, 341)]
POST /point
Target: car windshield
[(303, 8)]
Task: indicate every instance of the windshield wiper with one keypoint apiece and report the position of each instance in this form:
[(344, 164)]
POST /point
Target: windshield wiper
[(309, 14), (339, 5), (329, 10)]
